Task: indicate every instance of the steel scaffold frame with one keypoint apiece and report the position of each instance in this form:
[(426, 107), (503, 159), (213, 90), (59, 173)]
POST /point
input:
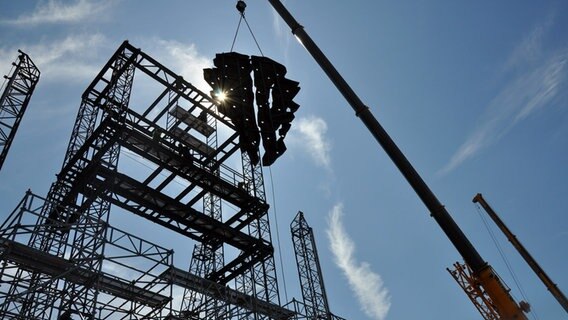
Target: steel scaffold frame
[(141, 292), (86, 152), (73, 223), (315, 304)]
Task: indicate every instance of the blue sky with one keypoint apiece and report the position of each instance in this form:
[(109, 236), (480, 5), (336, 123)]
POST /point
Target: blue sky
[(475, 94)]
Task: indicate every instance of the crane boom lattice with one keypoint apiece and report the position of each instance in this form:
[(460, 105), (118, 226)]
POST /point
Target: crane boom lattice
[(482, 302), (14, 101)]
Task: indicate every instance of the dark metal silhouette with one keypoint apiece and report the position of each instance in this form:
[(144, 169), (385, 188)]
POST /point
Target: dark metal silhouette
[(315, 304), (233, 89), (14, 101), (218, 206)]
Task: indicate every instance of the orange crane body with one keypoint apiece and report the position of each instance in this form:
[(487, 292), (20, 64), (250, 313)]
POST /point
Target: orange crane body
[(550, 285)]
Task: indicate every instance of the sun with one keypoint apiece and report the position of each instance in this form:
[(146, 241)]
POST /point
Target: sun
[(221, 96)]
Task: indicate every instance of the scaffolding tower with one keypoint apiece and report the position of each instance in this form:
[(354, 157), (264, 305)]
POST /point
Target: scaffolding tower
[(315, 304), (19, 87), (57, 266)]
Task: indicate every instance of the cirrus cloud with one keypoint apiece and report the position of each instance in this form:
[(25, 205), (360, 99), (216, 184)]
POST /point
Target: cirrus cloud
[(309, 134), (538, 81), (54, 11), (367, 285), (73, 57)]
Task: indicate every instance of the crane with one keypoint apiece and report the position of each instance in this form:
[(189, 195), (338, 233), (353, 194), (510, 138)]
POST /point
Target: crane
[(15, 99), (484, 274), (551, 286)]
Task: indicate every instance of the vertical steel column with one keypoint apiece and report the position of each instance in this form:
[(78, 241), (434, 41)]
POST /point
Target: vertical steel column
[(260, 280), (206, 259), (88, 242), (88, 148)]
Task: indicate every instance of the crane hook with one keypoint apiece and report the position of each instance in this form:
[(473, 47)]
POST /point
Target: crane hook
[(241, 6)]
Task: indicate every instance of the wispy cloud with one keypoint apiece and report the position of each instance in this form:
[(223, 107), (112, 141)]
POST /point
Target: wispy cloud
[(117, 270), (282, 32), (184, 59), (82, 56), (309, 134), (277, 23), (537, 82), (366, 284), (74, 57), (530, 48), (54, 11)]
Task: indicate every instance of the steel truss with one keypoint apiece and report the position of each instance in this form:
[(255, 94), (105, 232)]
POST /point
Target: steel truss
[(129, 283), (178, 135), (16, 95), (315, 305), (260, 279), (206, 258), (301, 311)]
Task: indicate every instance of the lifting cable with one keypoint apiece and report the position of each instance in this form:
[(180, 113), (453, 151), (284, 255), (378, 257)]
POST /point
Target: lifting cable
[(505, 259), (237, 32), (241, 6), (278, 235)]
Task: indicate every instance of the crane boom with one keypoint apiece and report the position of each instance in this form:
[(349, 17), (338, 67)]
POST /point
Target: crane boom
[(507, 307), (14, 100), (551, 286)]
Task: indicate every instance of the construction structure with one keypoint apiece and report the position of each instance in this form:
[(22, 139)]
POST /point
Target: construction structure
[(315, 304), (34, 281), (175, 157), (16, 94), (196, 171)]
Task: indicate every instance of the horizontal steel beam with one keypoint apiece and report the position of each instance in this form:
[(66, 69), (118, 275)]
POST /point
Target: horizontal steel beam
[(226, 294), (34, 260)]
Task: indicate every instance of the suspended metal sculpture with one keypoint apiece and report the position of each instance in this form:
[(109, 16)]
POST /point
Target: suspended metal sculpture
[(274, 93)]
